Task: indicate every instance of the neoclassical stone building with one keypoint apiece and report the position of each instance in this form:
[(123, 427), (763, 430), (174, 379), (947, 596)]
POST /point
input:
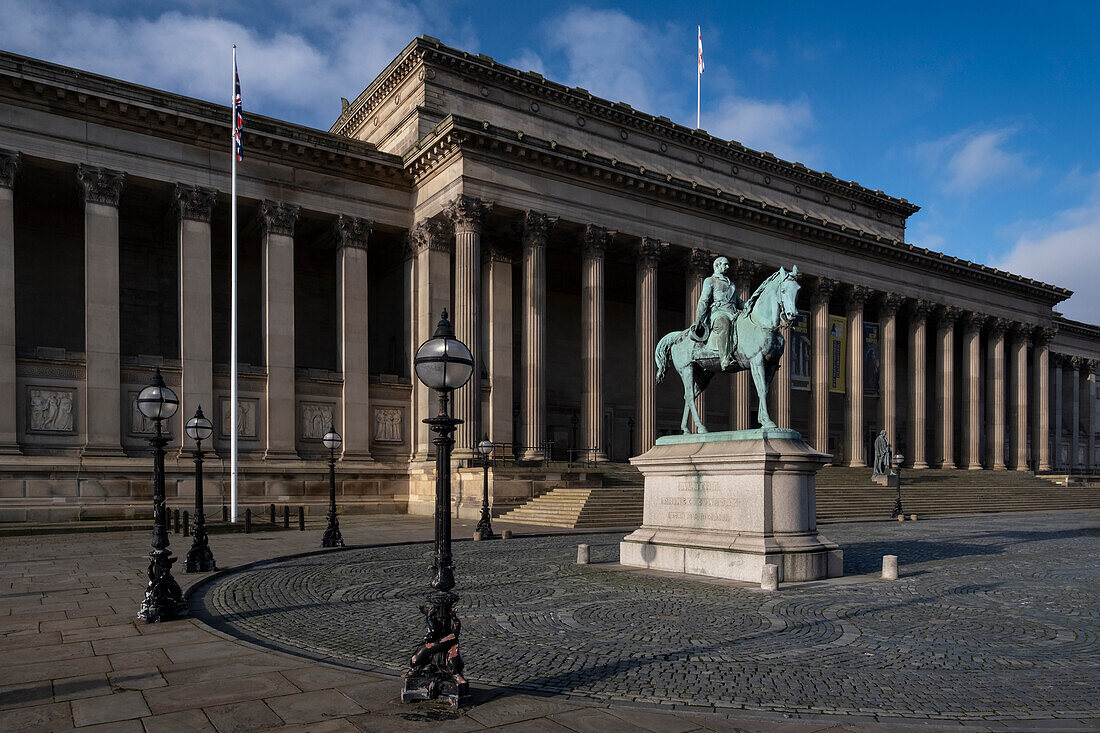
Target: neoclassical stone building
[(565, 233)]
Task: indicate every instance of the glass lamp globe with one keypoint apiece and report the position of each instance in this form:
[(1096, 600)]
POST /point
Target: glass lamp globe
[(485, 447), (158, 401), (199, 428), (443, 362), (332, 440), (898, 458)]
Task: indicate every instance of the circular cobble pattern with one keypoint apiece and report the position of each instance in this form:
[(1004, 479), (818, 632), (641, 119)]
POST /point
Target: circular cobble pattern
[(993, 616)]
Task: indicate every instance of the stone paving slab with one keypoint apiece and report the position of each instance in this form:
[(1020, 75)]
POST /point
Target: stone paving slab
[(72, 598)]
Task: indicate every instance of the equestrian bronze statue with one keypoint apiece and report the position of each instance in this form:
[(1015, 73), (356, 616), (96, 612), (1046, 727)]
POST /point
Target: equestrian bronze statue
[(730, 336)]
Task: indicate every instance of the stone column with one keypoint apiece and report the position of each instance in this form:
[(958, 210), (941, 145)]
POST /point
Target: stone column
[(1075, 364), (351, 235), (499, 332), (945, 384), (594, 241), (102, 400), (1059, 362), (698, 269), (536, 232), (743, 273), (995, 398), (650, 251), (1018, 380), (781, 385), (277, 224), (194, 206), (853, 417), (888, 375), (1090, 413), (409, 331), (431, 242), (9, 168), (819, 381), (1040, 419), (467, 214), (972, 404), (918, 395)]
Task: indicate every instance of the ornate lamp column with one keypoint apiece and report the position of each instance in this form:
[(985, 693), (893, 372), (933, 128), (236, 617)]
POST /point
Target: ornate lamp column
[(102, 424), (536, 232), (995, 397), (1018, 376), (743, 273), (594, 242), (698, 269), (332, 536), (163, 597), (443, 364), (857, 298), (918, 393), (199, 558), (277, 224), (1040, 423), (972, 364), (945, 383), (485, 524), (650, 251), (823, 289), (467, 215), (351, 235), (888, 376), (9, 167)]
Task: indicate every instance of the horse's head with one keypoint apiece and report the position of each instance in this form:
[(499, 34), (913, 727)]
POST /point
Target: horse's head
[(787, 292), (776, 298)]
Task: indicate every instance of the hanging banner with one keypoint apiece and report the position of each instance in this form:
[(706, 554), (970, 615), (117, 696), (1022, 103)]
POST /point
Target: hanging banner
[(838, 345), (872, 359), (798, 351)]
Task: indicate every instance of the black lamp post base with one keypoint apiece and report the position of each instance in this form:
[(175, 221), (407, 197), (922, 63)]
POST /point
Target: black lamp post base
[(436, 669), (485, 525), (163, 598), (332, 537), (897, 509), (199, 558)]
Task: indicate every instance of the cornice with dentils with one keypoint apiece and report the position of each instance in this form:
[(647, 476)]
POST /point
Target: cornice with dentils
[(457, 135), (431, 51)]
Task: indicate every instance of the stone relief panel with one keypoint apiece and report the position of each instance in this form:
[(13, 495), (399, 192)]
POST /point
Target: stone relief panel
[(388, 426), (50, 410), (316, 419), (246, 418), (139, 424)]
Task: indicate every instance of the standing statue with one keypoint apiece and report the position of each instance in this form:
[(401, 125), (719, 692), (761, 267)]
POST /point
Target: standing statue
[(729, 336), (884, 457)]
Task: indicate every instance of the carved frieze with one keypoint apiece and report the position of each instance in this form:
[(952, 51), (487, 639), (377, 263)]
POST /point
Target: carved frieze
[(195, 202), (10, 162), (246, 418), (50, 409), (467, 213), (388, 425), (351, 231), (278, 218), (315, 419), (101, 185)]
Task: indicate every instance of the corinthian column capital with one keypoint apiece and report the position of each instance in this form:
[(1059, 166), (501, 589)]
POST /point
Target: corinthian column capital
[(466, 213), (997, 327), (857, 297), (919, 308), (195, 203), (351, 231), (10, 162), (889, 304), (278, 218), (595, 240), (101, 185), (948, 315), (823, 289), (650, 252), (430, 234), (700, 262)]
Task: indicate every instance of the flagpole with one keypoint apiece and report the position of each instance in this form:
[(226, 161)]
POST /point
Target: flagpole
[(233, 302), (698, 80)]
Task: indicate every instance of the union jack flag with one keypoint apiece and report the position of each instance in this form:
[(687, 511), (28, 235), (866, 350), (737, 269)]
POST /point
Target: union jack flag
[(238, 114)]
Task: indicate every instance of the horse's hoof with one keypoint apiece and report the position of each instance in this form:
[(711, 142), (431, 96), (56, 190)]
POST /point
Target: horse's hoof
[(768, 425), (702, 430)]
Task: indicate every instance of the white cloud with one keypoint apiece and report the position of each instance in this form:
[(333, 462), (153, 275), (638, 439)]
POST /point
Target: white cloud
[(1064, 249), (777, 127), (972, 159), (332, 51), (528, 60)]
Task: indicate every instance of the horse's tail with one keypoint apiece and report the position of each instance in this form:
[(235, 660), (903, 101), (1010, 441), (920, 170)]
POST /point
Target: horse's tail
[(661, 354)]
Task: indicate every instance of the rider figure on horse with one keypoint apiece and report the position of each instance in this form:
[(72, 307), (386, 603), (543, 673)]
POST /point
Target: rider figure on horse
[(717, 312)]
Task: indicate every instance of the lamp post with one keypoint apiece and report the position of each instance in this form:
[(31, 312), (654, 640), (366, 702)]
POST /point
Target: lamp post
[(897, 500), (485, 524), (332, 538), (442, 363), (163, 599), (199, 558)]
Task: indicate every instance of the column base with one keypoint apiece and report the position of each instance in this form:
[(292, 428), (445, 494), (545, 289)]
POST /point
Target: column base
[(949, 466), (532, 455), (281, 455), (102, 450), (357, 456), (10, 449), (974, 467), (1044, 467), (919, 464), (1001, 467)]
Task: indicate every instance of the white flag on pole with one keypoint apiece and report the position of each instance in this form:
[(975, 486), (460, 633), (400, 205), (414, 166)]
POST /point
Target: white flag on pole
[(700, 49)]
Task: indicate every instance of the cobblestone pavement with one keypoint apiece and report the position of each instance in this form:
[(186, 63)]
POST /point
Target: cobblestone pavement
[(994, 617)]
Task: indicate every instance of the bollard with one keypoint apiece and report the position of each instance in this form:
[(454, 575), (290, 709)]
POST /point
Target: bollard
[(271, 513), (225, 513), (301, 518), (177, 521), (186, 524), (286, 516), (583, 554), (901, 517), (506, 534), (477, 537), (912, 517), (248, 521), (889, 567), (769, 578)]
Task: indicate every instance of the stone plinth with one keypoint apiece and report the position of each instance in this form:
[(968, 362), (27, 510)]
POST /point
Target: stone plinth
[(726, 504)]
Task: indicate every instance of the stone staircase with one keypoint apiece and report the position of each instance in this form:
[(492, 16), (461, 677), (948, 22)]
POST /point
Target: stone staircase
[(842, 494)]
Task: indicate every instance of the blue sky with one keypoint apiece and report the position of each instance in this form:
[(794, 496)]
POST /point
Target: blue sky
[(986, 115)]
